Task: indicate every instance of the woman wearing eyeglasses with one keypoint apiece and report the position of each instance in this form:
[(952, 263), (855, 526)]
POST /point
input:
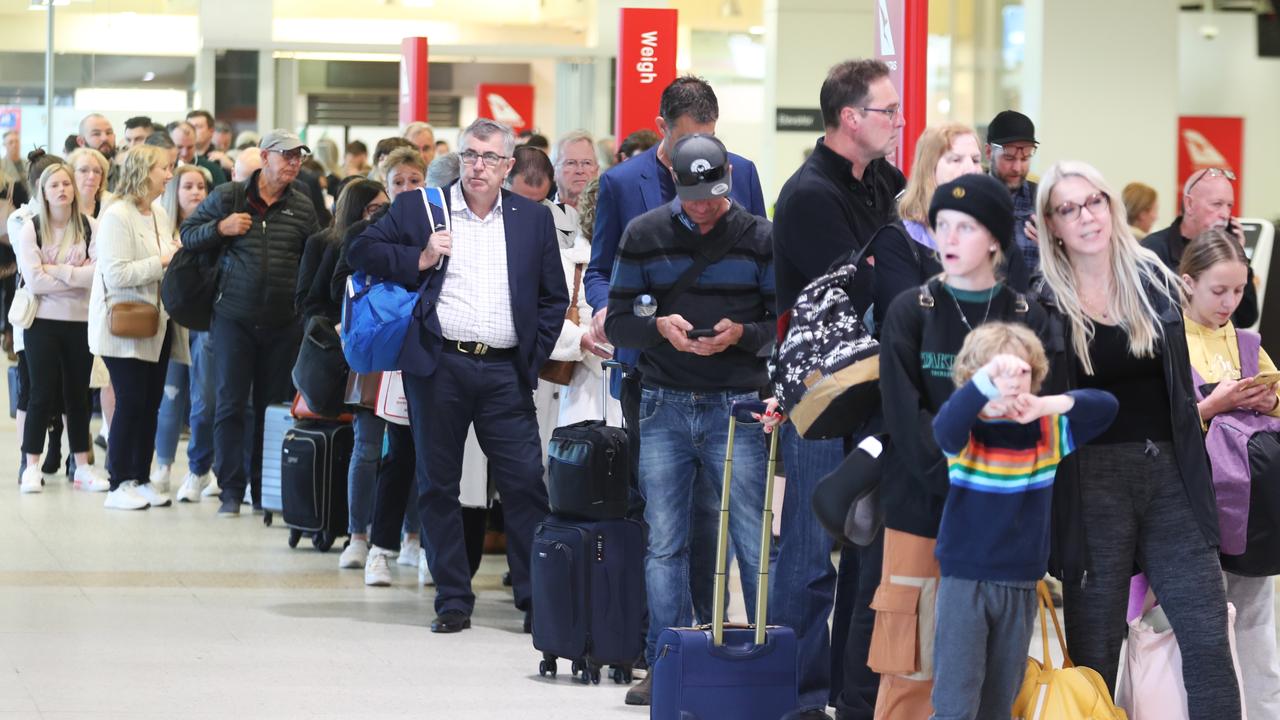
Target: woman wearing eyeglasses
[(1140, 492)]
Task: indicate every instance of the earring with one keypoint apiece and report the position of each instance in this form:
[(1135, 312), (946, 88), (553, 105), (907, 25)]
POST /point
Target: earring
[(992, 249)]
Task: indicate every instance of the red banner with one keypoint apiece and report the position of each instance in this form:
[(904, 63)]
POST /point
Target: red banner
[(902, 43), (508, 104), (1211, 142), (413, 80), (646, 66)]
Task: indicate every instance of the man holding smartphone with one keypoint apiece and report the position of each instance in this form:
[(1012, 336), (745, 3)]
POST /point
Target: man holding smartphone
[(707, 264)]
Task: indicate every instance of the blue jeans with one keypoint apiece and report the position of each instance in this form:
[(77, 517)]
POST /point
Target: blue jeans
[(362, 474), (684, 437), (194, 400), (804, 581), (174, 409)]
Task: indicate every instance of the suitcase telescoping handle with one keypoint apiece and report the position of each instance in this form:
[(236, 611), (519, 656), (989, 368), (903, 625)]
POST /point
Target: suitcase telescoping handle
[(605, 368), (741, 413)]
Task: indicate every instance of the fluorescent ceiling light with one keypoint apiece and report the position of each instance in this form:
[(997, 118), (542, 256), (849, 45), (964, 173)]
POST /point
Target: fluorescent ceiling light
[(130, 100), (42, 4)]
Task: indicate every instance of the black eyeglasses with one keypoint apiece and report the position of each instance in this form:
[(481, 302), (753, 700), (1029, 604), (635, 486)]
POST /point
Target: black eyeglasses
[(469, 157), (1211, 172), (889, 112)]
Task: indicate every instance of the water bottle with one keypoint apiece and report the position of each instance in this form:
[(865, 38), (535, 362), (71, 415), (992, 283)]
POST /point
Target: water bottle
[(645, 306)]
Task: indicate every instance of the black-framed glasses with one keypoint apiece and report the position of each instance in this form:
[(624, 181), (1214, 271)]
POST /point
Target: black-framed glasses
[(469, 157), (890, 112), (1211, 172), (1011, 154), (1098, 204)]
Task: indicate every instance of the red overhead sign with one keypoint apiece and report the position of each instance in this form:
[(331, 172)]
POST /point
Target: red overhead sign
[(902, 43), (646, 66), (511, 105), (1211, 142), (413, 80)]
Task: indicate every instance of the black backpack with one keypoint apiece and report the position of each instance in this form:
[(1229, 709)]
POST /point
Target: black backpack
[(190, 284)]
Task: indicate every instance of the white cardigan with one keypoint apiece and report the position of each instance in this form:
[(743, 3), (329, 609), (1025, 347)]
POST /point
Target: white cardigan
[(128, 245)]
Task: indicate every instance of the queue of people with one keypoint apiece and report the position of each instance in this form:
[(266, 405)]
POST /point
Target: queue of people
[(1023, 326)]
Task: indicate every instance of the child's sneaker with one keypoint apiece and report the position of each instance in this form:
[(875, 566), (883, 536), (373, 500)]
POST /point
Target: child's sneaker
[(90, 479), (32, 480), (160, 478), (409, 550)]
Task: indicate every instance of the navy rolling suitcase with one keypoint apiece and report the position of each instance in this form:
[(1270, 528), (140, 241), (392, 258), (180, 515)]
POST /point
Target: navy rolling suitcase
[(313, 475), (745, 673)]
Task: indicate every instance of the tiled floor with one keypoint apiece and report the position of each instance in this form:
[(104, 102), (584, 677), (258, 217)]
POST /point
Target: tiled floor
[(173, 613)]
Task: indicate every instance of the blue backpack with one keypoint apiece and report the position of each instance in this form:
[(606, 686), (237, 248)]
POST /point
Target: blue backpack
[(376, 313)]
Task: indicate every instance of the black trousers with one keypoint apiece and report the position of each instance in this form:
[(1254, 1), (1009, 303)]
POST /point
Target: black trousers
[(139, 387), (854, 686), (58, 363), (485, 392)]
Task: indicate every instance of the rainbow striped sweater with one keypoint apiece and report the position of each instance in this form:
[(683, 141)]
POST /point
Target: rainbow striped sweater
[(995, 524)]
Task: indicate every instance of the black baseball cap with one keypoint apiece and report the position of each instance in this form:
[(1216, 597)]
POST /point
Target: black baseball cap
[(1010, 126), (701, 166)]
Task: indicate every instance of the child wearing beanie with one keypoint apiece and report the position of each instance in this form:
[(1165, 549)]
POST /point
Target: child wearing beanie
[(1003, 445)]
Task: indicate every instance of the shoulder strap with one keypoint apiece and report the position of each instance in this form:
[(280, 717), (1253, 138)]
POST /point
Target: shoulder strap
[(35, 224), (684, 282), (1020, 304), (1249, 344), (925, 296)]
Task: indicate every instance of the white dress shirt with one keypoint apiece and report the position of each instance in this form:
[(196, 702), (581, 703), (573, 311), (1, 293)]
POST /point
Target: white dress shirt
[(475, 299)]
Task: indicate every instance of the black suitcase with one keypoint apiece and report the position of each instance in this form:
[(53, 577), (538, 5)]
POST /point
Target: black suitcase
[(588, 467), (313, 476), (588, 595)]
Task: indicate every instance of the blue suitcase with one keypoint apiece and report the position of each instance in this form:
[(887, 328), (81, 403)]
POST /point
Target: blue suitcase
[(278, 422), (745, 673), (588, 595)]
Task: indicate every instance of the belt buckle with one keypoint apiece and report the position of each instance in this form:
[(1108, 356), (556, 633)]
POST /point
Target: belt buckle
[(481, 348)]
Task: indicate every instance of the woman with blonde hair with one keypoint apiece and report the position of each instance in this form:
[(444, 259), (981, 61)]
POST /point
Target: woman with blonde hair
[(91, 169), (136, 241), (1140, 208), (56, 251), (1140, 492)]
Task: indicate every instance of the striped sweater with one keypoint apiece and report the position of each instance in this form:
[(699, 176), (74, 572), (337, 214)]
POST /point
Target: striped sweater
[(995, 524)]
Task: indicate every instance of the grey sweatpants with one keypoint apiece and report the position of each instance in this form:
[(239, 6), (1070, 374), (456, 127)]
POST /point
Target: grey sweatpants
[(980, 647), (1136, 508)]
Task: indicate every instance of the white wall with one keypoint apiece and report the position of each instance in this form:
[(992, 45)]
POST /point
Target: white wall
[(1225, 76), (1104, 89)]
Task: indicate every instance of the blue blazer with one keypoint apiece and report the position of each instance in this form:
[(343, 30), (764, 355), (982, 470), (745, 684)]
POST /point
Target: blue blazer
[(390, 249), (629, 190)]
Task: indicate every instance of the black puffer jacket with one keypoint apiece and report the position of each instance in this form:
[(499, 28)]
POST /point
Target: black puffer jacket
[(259, 270)]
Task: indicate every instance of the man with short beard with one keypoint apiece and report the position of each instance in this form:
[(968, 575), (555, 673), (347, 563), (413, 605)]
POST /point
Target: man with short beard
[(1011, 143)]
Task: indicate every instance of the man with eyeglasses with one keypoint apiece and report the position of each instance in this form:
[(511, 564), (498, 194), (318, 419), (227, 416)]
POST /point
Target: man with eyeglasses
[(1208, 199), (576, 165), (830, 208), (260, 227), (492, 304), (1011, 143)]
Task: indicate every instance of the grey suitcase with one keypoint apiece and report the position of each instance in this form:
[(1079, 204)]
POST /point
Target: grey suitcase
[(279, 421)]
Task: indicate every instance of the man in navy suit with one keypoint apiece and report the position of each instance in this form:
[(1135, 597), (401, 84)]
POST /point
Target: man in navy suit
[(492, 305)]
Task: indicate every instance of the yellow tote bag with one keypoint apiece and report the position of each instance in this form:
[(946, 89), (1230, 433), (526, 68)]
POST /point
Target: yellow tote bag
[(1067, 693)]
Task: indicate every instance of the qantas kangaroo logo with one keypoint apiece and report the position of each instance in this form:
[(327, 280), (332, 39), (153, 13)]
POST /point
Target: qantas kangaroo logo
[(886, 31), (503, 112), (1202, 152)]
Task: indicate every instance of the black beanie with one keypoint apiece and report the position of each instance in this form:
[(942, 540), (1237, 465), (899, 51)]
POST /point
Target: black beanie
[(984, 198)]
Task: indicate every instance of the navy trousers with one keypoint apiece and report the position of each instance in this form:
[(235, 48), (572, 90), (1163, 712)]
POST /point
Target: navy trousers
[(463, 391)]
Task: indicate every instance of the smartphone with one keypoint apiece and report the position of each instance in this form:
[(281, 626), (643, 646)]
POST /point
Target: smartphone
[(1266, 378), (695, 334), (606, 348)]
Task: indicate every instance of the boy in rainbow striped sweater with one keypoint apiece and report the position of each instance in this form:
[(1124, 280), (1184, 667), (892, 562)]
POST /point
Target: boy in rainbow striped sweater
[(1003, 445)]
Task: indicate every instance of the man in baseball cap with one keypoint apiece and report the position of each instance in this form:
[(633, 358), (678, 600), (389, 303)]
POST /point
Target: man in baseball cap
[(282, 141), (1011, 143), (701, 168)]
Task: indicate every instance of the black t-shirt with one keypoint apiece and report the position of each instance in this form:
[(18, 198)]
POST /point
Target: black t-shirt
[(1137, 383)]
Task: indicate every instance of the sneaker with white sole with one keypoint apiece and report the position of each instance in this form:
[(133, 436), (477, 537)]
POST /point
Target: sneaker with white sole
[(160, 478), (126, 497), (212, 489), (90, 479), (32, 480), (355, 555), (409, 550), (191, 488), (152, 495), (424, 572), (377, 569)]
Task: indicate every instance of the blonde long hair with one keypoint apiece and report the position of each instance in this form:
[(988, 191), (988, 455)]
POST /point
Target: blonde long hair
[(933, 144), (77, 225), (1132, 266)]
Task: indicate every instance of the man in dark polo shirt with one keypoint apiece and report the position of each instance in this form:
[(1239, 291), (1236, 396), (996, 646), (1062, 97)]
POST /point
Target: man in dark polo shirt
[(830, 208)]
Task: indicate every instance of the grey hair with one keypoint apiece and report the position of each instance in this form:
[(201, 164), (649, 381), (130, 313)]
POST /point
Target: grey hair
[(484, 128), (414, 128), (444, 170), (570, 138)]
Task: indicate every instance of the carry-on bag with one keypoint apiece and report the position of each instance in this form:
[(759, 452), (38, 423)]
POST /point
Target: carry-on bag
[(279, 420), (741, 672), (589, 466), (320, 372), (14, 383), (313, 477)]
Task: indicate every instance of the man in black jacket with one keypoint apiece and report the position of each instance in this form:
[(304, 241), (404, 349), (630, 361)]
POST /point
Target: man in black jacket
[(260, 226), (830, 208), (1207, 201)]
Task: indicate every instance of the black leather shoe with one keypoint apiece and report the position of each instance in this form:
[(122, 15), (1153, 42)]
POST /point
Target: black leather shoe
[(450, 621), (229, 509)]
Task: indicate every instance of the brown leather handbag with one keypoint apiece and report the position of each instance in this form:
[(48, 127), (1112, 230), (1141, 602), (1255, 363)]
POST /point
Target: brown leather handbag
[(560, 372), (132, 319), (362, 390)]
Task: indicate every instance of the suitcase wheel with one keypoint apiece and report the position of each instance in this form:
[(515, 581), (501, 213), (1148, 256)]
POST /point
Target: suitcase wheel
[(322, 541), (576, 667), (620, 674), (294, 537), (266, 518), (547, 667), (590, 675)]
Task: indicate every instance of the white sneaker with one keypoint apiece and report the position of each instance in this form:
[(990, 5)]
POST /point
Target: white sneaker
[(377, 569), (212, 489), (32, 480), (355, 555), (153, 496), (192, 485), (424, 572), (409, 551), (90, 479), (125, 497), (160, 478)]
